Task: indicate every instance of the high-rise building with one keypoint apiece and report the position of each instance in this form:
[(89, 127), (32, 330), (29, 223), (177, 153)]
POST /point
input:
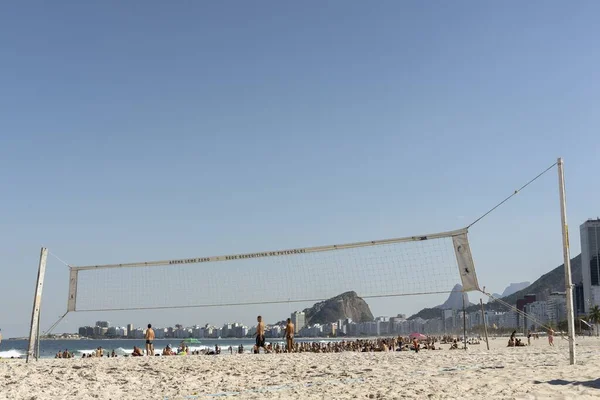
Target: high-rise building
[(538, 315), (299, 320), (557, 307), (590, 262), (86, 331), (103, 324), (521, 303), (578, 299), (89, 331), (98, 331)]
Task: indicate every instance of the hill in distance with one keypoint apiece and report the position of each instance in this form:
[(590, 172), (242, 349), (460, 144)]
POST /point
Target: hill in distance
[(512, 288), (345, 305), (553, 281), (455, 300)]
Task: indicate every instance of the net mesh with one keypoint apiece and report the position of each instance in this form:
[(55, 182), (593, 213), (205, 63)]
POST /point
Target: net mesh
[(394, 269)]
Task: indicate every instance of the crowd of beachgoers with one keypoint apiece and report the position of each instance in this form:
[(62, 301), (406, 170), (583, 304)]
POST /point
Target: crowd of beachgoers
[(357, 345), (414, 342)]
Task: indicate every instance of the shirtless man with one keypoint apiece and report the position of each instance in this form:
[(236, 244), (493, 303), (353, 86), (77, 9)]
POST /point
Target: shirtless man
[(289, 335), (149, 341), (260, 335)]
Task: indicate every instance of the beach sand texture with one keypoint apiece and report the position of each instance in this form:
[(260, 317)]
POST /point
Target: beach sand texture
[(536, 372)]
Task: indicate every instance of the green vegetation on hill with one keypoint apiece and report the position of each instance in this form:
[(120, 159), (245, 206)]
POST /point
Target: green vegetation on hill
[(428, 313), (553, 281)]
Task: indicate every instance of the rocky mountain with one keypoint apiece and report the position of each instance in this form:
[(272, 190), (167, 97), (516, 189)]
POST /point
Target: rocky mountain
[(345, 305), (455, 300), (553, 281), (512, 288)]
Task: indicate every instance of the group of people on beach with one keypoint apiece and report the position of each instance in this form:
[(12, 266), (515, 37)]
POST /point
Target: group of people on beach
[(513, 341), (359, 345), (99, 352), (64, 354)]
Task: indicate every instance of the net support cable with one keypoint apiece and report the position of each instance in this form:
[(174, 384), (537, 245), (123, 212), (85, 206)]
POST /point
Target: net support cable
[(49, 331), (512, 195)]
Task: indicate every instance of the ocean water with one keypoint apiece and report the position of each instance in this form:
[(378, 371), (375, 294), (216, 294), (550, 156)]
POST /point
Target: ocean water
[(49, 348)]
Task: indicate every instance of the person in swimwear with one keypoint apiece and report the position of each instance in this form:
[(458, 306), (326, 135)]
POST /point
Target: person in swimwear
[(149, 341), (551, 337), (137, 352), (289, 335), (260, 336)]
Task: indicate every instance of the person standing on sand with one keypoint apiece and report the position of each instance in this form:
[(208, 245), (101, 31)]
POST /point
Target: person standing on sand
[(289, 335), (0, 336), (416, 345), (551, 337), (149, 341), (260, 335)]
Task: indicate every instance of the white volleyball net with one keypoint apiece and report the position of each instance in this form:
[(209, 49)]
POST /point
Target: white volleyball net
[(418, 265)]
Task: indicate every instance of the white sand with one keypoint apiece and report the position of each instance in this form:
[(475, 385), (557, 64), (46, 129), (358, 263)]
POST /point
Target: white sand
[(536, 372)]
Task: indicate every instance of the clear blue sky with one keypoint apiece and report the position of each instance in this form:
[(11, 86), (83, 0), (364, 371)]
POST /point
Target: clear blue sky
[(149, 130)]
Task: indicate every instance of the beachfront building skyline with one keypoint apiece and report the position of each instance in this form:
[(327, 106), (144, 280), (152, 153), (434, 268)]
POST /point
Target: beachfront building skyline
[(557, 307), (452, 323), (590, 262), (299, 320)]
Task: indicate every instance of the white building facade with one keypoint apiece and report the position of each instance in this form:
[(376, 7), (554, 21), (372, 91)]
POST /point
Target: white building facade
[(590, 262), (299, 320)]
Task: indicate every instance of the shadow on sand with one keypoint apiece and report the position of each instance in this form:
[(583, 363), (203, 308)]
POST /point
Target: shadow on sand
[(592, 384)]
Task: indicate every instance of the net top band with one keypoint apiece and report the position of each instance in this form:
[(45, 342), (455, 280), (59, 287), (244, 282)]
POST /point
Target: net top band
[(276, 253)]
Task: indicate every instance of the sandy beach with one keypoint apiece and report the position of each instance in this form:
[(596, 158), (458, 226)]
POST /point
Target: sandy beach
[(536, 372)]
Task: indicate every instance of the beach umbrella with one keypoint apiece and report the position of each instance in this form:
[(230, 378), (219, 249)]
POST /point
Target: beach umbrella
[(418, 336)]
